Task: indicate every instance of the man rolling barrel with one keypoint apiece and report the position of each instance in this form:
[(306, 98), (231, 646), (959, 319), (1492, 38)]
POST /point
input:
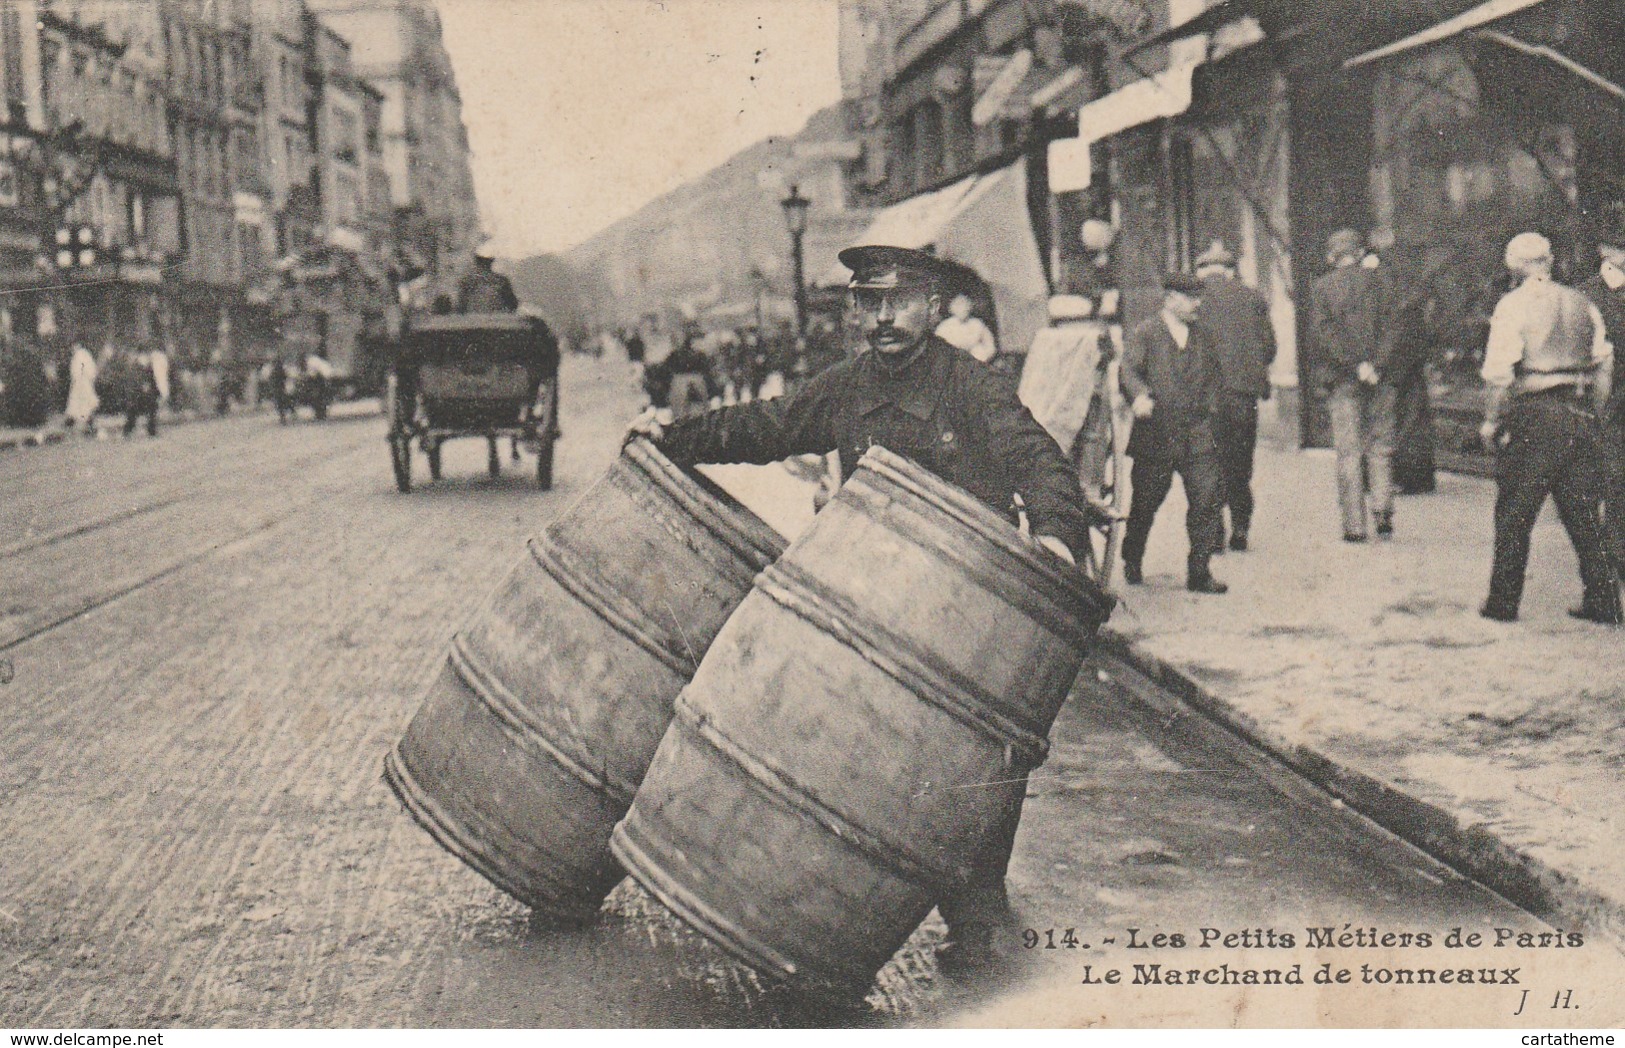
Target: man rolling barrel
[(918, 396)]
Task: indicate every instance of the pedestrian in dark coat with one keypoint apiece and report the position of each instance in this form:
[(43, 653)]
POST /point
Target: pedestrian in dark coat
[(26, 397), (1350, 318), (686, 376), (483, 290), (1235, 322), (1606, 289), (918, 396), (1413, 462), (1171, 377), (281, 388), (142, 393)]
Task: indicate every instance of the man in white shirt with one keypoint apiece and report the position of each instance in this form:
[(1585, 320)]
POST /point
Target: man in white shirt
[(160, 373), (962, 330), (1547, 376)]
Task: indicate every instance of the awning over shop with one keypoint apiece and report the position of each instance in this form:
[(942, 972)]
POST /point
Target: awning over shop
[(1470, 19), (914, 222), (1196, 35), (980, 222), (1163, 94)]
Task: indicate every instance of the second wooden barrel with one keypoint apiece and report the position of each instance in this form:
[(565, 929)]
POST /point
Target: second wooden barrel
[(859, 727), (539, 727)]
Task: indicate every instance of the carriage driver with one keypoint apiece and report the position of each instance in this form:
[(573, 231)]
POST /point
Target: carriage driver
[(920, 397)]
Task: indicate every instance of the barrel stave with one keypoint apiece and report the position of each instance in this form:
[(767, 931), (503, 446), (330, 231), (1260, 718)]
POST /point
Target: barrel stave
[(542, 722), (754, 883), (479, 788), (975, 616), (817, 715), (860, 728)]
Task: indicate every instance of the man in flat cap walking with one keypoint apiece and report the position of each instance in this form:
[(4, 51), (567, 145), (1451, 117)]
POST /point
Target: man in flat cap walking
[(1171, 377), (918, 396), (1236, 320)]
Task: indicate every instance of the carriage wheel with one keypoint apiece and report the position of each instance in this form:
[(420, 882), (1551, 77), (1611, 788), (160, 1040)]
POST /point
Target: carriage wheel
[(400, 456), (493, 458), (1102, 474), (433, 451)]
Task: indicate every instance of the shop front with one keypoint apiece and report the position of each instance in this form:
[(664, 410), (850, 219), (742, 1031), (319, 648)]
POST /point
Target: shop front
[(1483, 129)]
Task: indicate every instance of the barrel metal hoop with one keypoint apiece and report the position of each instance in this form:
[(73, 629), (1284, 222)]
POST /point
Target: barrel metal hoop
[(694, 909), (752, 540), (455, 838), (606, 603), (1030, 601), (779, 787), (922, 674), (677, 520), (511, 713), (1064, 584)]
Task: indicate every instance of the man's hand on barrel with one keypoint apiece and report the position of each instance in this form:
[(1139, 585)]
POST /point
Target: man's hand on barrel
[(1057, 547), (651, 424)]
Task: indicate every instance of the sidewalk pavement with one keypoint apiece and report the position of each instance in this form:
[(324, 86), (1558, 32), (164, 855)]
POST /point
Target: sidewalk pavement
[(1499, 748), (55, 432)]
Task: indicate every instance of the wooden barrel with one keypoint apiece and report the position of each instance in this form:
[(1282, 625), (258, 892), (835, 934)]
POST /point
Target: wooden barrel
[(859, 727), (538, 729)]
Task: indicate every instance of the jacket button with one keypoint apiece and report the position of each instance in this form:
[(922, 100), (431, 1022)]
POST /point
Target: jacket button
[(948, 437)]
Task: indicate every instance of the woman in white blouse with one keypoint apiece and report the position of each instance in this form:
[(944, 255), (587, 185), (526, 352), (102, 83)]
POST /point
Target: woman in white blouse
[(963, 331)]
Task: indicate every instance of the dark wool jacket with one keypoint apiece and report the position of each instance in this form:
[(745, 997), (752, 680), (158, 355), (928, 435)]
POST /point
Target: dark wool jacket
[(1611, 304), (1350, 316), (1236, 320), (945, 410)]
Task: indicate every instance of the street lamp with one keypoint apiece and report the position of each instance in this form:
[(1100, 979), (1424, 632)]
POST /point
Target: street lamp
[(795, 218)]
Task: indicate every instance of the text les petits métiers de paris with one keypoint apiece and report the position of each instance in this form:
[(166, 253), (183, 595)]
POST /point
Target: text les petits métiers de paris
[(1322, 937)]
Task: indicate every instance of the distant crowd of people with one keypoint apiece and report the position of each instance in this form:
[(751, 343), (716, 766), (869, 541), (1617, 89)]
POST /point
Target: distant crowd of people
[(134, 382)]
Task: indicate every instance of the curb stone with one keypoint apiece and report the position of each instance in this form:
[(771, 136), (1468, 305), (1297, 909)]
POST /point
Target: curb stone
[(1472, 850)]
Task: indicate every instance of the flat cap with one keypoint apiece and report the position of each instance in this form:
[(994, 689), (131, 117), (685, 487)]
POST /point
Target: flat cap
[(1184, 283), (1526, 248), (1216, 255), (881, 266)]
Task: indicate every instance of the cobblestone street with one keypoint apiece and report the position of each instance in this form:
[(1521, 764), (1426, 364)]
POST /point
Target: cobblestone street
[(213, 639)]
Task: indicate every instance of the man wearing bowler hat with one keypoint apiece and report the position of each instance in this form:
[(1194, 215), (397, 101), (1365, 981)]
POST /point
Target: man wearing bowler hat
[(1170, 375), (1236, 320), (916, 395)]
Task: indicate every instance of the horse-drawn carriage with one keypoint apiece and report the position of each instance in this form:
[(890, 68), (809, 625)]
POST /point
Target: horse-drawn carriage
[(491, 375)]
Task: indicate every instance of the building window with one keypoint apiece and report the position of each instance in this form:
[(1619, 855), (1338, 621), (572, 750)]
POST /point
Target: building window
[(11, 46), (928, 143)]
